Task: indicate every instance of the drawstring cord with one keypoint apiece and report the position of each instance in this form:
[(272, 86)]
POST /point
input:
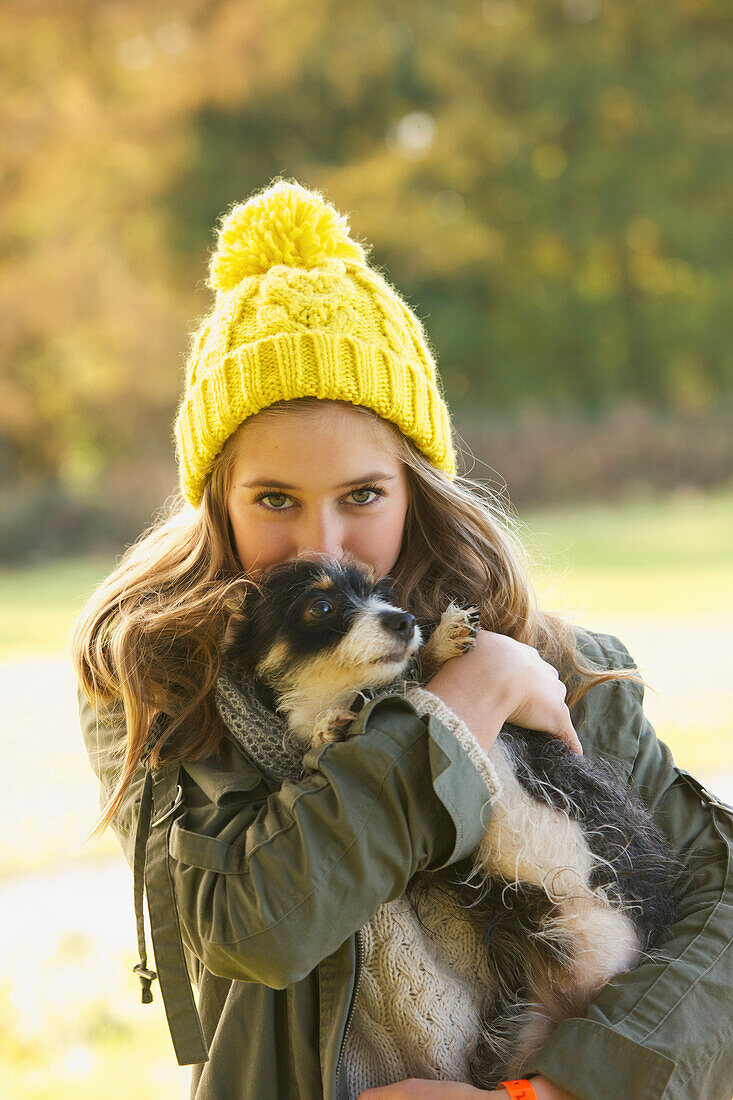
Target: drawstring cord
[(145, 975), (150, 859)]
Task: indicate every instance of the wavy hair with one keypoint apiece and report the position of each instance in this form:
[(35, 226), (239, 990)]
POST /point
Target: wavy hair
[(148, 639)]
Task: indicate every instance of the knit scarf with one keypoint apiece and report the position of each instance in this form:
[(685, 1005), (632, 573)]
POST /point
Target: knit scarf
[(263, 733)]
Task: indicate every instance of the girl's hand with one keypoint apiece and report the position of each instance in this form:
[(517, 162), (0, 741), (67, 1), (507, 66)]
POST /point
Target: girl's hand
[(414, 1089), (501, 680)]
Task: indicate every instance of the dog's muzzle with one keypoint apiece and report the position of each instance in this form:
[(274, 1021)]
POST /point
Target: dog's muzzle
[(401, 623)]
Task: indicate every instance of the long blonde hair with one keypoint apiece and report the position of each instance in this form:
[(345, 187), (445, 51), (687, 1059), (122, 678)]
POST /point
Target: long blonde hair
[(147, 641)]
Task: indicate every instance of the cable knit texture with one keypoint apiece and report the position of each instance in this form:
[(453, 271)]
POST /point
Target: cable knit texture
[(419, 994), (300, 313)]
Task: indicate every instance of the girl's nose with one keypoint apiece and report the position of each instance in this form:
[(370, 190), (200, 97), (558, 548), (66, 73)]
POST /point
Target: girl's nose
[(321, 537)]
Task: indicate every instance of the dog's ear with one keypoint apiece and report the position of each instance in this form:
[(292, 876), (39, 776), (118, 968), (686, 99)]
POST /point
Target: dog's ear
[(386, 587), (233, 633), (372, 574), (236, 634)]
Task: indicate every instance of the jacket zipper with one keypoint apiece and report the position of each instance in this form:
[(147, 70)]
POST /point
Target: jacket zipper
[(359, 968)]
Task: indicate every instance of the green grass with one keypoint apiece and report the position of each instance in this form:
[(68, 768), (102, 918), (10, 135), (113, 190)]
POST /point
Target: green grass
[(659, 573), (38, 603), (666, 557)]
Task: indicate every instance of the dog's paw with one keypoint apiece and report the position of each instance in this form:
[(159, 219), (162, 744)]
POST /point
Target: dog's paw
[(455, 633), (332, 725)]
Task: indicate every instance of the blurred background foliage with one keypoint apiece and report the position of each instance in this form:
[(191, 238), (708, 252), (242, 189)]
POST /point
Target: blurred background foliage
[(548, 184)]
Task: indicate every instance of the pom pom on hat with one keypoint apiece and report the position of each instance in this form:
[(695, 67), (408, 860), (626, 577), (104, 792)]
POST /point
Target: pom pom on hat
[(285, 224)]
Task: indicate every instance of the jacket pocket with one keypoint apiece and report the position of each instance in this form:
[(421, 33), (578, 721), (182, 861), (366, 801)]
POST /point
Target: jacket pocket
[(206, 852)]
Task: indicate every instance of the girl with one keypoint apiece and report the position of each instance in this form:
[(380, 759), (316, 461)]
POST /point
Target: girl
[(313, 422)]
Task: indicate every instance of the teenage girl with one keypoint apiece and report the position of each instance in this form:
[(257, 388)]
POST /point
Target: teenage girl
[(313, 421)]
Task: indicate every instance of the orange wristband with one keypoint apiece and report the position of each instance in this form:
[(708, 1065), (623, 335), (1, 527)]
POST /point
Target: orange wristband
[(519, 1090)]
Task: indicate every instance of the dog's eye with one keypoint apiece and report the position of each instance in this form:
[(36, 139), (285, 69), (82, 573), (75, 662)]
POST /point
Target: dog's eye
[(320, 609)]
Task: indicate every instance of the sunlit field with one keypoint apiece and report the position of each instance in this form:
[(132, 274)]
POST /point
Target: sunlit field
[(656, 574), (659, 575)]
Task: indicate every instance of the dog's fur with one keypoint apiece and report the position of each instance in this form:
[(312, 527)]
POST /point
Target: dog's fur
[(572, 882)]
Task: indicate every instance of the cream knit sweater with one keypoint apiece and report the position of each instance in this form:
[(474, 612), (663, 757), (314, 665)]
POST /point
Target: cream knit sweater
[(416, 1007)]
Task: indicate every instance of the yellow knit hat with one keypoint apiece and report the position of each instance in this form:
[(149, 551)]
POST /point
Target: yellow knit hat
[(299, 313)]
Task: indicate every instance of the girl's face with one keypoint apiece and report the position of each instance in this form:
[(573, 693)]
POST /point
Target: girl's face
[(316, 481)]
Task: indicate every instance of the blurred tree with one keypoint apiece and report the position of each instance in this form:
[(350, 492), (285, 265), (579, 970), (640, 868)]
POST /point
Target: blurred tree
[(548, 184)]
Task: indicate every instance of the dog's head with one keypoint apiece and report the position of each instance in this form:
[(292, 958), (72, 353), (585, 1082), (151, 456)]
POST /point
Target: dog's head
[(322, 623)]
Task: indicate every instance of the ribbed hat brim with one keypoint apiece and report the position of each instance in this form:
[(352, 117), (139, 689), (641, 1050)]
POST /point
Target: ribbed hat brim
[(312, 363)]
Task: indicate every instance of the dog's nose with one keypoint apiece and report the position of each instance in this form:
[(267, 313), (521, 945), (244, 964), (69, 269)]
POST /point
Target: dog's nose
[(402, 622)]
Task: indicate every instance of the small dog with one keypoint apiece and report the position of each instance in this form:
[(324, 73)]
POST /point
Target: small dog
[(572, 882)]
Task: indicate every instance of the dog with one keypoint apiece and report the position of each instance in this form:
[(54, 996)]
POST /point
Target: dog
[(572, 882)]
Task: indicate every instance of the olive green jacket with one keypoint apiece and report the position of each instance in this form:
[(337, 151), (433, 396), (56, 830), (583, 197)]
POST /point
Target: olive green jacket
[(258, 893)]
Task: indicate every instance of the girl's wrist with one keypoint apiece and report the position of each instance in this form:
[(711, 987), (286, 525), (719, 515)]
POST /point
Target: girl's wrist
[(485, 725)]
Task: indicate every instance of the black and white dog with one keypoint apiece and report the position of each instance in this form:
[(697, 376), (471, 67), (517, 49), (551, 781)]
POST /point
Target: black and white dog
[(572, 882)]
